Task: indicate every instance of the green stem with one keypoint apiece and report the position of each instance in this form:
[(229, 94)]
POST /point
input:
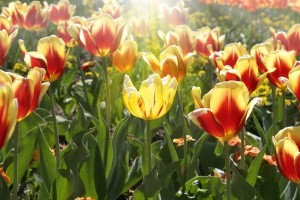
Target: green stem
[(227, 165), (16, 149), (210, 72), (274, 108), (149, 150), (108, 110), (180, 98), (283, 109), (55, 127), (243, 148)]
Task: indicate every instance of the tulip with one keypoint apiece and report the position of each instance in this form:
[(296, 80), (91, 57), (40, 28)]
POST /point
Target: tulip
[(172, 62), (176, 15), (208, 41), (6, 40), (229, 56), (8, 114), (288, 40), (29, 91), (62, 29), (126, 56), (259, 51), (293, 81), (140, 26), (287, 143), (169, 39), (50, 55), (6, 24), (154, 98), (282, 61), (245, 70), (112, 9), (101, 37), (15, 11), (61, 12), (223, 110)]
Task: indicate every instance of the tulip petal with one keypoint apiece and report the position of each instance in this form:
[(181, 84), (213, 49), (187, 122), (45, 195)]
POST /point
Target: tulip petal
[(206, 120)]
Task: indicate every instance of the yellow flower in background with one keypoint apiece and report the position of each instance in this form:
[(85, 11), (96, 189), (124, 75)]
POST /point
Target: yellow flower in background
[(154, 98), (287, 144), (125, 57)]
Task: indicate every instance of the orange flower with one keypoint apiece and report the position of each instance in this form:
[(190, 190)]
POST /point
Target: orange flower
[(235, 141), (175, 15), (8, 114), (282, 61), (28, 91), (172, 62), (287, 144), (87, 65), (229, 56), (259, 51), (140, 26), (50, 55), (62, 29), (293, 81), (208, 41), (245, 70), (289, 40), (6, 40), (84, 198), (61, 12), (101, 37), (223, 110), (125, 57), (180, 141), (4, 175), (31, 17)]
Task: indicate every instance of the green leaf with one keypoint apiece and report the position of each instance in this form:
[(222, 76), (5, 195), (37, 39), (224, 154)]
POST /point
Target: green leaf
[(270, 183), (198, 147), (260, 130), (26, 150), (219, 148), (4, 191), (240, 188), (135, 174), (64, 184), (47, 162), (254, 167)]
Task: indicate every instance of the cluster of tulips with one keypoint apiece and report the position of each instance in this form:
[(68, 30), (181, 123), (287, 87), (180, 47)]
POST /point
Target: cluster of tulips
[(257, 4), (233, 75)]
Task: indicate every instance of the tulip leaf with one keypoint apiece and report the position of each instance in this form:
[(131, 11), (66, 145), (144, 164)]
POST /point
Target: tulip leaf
[(269, 182), (201, 187), (240, 188), (4, 190), (47, 162), (135, 174), (64, 184), (198, 147), (25, 154), (260, 130), (254, 167)]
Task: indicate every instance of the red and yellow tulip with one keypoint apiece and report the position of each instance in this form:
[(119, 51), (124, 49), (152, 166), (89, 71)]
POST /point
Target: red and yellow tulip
[(125, 57), (51, 55), (287, 146), (154, 98), (229, 56), (61, 12), (101, 36), (8, 113), (282, 61), (293, 81), (140, 27), (6, 24), (172, 62), (175, 15), (6, 40), (222, 112), (208, 41), (245, 70), (259, 51)]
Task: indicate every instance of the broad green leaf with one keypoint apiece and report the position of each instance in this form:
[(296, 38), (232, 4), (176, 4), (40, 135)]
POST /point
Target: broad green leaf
[(64, 184), (4, 191), (254, 167), (135, 174), (269, 183), (240, 188)]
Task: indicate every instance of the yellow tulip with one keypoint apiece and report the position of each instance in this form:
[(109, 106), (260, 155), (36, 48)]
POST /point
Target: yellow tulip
[(154, 98)]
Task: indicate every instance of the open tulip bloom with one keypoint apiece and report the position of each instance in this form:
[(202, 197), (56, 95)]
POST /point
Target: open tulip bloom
[(293, 81), (222, 112), (154, 98), (287, 145)]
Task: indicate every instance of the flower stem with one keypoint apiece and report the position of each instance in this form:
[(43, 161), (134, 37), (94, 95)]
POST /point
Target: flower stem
[(180, 98), (243, 148), (108, 110), (16, 149), (283, 108), (148, 147), (210, 72), (55, 127), (274, 108), (227, 165)]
